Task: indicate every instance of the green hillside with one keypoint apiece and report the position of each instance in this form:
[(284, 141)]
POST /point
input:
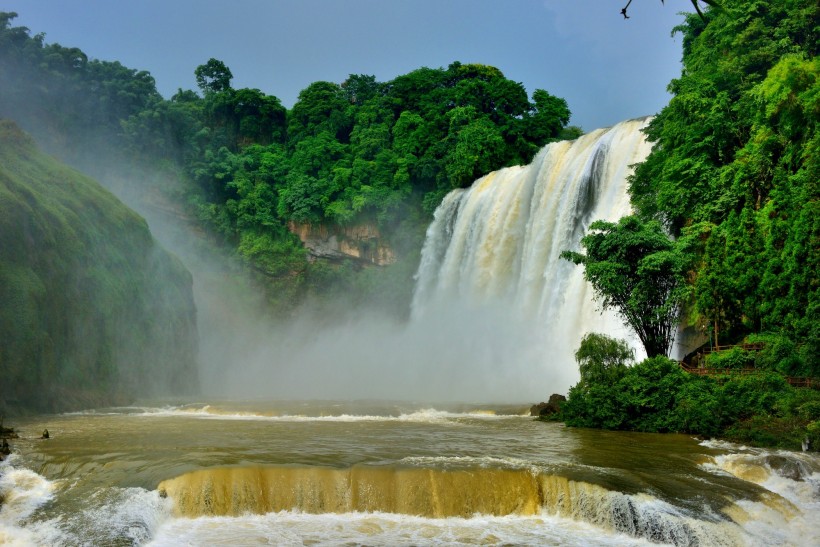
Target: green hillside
[(92, 310)]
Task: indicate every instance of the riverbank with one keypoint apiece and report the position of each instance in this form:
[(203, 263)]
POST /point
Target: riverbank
[(656, 396)]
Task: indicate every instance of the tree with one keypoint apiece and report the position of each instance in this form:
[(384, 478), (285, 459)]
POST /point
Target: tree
[(213, 77), (637, 270), (736, 150), (602, 359), (710, 3), (321, 107), (549, 117)]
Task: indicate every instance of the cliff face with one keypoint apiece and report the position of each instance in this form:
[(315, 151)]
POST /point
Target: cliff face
[(359, 241), (92, 310)]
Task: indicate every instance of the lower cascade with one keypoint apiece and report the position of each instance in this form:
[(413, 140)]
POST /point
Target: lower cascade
[(375, 473), (438, 493), (496, 245)]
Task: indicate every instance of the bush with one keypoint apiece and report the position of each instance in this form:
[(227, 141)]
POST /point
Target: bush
[(735, 358), (656, 395), (779, 353), (697, 407), (593, 406), (742, 397), (648, 394)]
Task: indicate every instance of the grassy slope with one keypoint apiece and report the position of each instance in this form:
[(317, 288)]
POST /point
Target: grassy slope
[(91, 308)]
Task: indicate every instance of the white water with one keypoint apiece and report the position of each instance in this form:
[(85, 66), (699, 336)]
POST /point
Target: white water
[(97, 480), (493, 249), (492, 284)]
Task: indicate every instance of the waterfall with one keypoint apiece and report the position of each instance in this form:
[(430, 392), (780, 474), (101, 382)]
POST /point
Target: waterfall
[(495, 246), (440, 494)]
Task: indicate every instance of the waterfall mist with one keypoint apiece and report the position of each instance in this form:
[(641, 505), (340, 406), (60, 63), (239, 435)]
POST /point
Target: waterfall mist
[(497, 316)]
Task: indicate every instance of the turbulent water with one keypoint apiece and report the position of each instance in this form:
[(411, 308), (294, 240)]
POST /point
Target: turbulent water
[(381, 474), (496, 317), (494, 248)]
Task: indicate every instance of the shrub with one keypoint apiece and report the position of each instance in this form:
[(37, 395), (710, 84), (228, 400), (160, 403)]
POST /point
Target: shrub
[(779, 353), (735, 358), (602, 359)]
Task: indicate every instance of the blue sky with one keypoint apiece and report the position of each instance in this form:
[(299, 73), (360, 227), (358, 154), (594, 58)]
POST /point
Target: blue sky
[(607, 68)]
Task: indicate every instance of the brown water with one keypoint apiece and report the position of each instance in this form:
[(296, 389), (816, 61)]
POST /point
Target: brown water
[(330, 473)]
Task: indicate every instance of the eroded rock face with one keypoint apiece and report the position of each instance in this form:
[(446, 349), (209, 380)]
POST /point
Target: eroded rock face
[(553, 406), (359, 242)]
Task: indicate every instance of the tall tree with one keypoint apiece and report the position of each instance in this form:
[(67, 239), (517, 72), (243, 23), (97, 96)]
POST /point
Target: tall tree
[(213, 76), (638, 271)]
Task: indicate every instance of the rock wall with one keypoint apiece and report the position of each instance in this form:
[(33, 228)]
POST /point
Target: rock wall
[(358, 241)]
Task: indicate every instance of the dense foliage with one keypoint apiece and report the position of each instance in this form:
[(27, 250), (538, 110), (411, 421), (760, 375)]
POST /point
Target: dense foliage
[(736, 166), (637, 270), (657, 395), (91, 308), (357, 152), (733, 177), (602, 359)]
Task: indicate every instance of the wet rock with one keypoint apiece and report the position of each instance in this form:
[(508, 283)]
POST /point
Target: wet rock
[(787, 467), (553, 406)]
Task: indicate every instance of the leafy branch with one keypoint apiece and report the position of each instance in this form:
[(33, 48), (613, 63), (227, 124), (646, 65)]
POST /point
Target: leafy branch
[(710, 3)]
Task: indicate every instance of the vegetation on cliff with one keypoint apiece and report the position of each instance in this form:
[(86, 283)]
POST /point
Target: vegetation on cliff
[(733, 177), (736, 166), (359, 151), (92, 310)]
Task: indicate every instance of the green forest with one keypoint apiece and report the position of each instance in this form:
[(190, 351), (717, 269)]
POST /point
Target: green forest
[(724, 237), (250, 172), (734, 178)]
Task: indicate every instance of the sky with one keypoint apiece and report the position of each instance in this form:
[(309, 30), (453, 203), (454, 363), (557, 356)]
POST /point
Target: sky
[(607, 68)]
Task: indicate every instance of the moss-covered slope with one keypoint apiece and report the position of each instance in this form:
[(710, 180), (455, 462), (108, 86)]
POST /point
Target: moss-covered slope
[(92, 310)]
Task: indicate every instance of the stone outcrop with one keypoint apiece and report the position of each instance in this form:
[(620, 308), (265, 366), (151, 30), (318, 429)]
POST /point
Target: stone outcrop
[(361, 242), (553, 406)]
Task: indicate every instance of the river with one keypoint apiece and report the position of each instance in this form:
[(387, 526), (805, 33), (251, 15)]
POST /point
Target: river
[(373, 473)]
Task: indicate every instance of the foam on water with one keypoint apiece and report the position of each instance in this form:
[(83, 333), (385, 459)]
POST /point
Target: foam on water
[(790, 515), (294, 528), (22, 493), (427, 415), (31, 516), (448, 462)]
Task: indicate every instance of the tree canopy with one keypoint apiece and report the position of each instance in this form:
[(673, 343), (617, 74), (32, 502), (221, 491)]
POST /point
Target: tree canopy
[(602, 359), (735, 164), (638, 271), (359, 151)]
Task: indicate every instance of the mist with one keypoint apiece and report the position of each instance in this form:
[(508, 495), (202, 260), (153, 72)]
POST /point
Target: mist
[(498, 319), (454, 355), (456, 350), (466, 345)]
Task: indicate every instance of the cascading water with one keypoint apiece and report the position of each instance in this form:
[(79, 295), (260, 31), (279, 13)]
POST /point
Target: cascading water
[(371, 473), (496, 245), (496, 314)]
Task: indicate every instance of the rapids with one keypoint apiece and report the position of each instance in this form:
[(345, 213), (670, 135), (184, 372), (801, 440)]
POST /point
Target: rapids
[(496, 316), (370, 473)]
